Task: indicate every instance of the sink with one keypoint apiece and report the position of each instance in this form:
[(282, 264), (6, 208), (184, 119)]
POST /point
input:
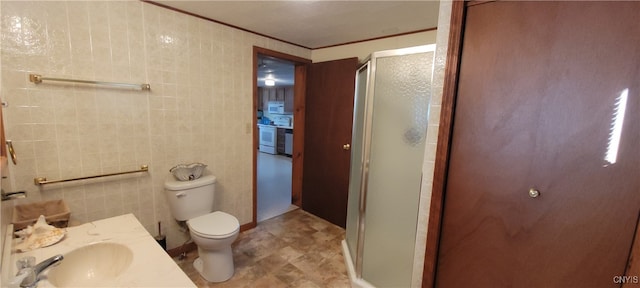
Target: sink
[(92, 265)]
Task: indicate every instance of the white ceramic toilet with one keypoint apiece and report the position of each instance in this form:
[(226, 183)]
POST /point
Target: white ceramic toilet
[(213, 232)]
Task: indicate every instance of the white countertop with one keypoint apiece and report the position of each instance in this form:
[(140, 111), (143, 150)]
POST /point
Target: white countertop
[(269, 125), (151, 265)]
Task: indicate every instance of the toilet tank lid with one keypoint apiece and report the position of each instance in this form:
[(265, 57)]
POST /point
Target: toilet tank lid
[(174, 184)]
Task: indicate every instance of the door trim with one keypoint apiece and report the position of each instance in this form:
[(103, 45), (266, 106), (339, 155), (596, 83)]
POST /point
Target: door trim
[(299, 96), (444, 142)]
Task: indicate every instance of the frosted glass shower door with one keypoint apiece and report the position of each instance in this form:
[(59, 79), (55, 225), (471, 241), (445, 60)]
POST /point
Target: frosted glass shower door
[(357, 156), (401, 90)]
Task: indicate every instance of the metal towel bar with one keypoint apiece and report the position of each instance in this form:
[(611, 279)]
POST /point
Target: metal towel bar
[(37, 79), (12, 152), (43, 180)]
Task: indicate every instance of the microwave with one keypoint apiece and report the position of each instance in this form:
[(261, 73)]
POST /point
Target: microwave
[(275, 107)]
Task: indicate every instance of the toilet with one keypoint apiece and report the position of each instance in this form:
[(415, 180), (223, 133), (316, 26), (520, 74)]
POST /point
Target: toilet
[(213, 232)]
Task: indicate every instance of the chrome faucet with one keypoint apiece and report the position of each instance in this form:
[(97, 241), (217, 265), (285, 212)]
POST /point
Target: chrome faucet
[(30, 275)]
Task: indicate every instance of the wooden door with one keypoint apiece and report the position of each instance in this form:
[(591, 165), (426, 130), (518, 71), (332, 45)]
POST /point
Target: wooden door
[(329, 117), (541, 85)]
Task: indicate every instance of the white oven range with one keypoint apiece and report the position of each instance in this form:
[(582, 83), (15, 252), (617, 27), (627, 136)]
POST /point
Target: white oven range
[(268, 138)]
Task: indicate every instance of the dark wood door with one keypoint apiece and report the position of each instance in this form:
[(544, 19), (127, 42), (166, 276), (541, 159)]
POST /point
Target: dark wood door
[(541, 87), (328, 122)]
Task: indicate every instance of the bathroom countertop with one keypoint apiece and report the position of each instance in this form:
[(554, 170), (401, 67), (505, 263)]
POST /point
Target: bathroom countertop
[(151, 265)]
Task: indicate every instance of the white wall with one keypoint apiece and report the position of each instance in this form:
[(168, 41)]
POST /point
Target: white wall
[(363, 49), (199, 108)]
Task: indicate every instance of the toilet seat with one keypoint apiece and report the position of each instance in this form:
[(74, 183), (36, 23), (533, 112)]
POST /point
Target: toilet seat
[(216, 225)]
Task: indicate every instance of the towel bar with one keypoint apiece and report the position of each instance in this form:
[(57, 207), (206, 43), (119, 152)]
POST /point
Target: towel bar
[(43, 180)]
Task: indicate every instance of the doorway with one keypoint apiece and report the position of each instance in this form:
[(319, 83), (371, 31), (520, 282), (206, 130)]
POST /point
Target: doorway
[(279, 93), (274, 114)]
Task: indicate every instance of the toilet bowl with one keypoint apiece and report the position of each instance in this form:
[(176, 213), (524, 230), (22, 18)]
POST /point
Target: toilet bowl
[(213, 232)]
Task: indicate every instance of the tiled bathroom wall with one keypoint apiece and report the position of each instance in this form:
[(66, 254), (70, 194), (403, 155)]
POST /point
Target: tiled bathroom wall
[(199, 108)]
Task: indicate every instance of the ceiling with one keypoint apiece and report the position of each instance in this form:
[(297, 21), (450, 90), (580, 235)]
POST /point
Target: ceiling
[(314, 24), (320, 23)]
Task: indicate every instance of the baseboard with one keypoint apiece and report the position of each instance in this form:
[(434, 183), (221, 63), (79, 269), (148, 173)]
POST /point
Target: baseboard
[(245, 227), (192, 246), (182, 248)]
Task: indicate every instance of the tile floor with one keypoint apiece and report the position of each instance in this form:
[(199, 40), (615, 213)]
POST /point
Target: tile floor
[(274, 185), (295, 249)]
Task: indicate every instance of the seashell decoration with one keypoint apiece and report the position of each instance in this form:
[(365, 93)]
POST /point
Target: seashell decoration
[(187, 172)]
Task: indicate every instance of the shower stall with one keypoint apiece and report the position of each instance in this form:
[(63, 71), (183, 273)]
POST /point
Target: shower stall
[(391, 112)]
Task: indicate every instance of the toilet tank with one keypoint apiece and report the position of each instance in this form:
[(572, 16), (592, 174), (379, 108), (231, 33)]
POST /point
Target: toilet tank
[(190, 199)]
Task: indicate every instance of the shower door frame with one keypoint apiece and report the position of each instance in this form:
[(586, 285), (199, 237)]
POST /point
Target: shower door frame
[(368, 113)]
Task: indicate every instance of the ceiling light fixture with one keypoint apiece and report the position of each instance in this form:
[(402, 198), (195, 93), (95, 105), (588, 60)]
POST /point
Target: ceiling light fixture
[(269, 80)]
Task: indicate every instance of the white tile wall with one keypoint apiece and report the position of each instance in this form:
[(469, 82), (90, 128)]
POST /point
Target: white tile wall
[(200, 103)]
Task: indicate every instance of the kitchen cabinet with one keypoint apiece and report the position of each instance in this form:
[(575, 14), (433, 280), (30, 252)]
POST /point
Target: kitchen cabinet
[(267, 94), (273, 94), (288, 100), (280, 148), (265, 103), (280, 94), (263, 94)]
